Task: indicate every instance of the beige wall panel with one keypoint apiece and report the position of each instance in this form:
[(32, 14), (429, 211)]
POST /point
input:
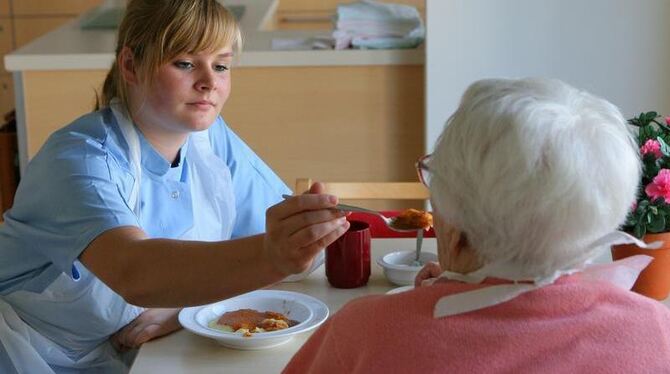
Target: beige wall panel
[(329, 123), (6, 41), (4, 7), (30, 28), (54, 99), (53, 7), (6, 95), (326, 123)]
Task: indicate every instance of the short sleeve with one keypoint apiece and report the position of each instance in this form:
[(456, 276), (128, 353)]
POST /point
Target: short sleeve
[(72, 191), (255, 185)]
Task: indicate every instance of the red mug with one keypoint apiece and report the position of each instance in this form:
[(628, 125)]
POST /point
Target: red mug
[(348, 258)]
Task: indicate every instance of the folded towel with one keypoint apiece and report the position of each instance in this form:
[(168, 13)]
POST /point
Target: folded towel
[(295, 44), (371, 24)]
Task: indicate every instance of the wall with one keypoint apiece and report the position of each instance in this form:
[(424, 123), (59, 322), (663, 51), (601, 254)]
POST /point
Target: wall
[(616, 49), (21, 21)]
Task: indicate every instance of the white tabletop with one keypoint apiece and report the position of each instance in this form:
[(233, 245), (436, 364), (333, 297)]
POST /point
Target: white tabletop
[(184, 352)]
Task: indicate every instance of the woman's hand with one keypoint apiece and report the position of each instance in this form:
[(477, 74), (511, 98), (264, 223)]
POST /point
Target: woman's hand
[(429, 271), (299, 227), (151, 324)]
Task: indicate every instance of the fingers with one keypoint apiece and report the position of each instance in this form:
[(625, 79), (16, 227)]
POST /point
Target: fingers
[(317, 187), (145, 335), (298, 222), (299, 227), (315, 232), (328, 238), (300, 203), (151, 324), (430, 270)]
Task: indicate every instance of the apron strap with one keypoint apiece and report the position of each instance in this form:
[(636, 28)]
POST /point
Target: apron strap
[(17, 353), (129, 133)]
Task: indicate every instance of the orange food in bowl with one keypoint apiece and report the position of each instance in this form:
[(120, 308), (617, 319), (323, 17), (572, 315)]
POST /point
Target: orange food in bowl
[(248, 321)]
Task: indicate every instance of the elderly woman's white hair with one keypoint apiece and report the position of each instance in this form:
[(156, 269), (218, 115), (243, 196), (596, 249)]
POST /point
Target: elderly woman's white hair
[(533, 171)]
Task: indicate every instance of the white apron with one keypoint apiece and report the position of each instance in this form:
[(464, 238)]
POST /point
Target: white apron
[(97, 311)]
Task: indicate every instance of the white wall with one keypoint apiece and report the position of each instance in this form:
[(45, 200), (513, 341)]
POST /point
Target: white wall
[(617, 49)]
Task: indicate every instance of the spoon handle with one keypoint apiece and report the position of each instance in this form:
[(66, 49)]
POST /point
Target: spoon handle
[(419, 242), (351, 208)]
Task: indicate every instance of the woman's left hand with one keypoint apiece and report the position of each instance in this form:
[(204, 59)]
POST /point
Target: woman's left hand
[(429, 271), (151, 324)]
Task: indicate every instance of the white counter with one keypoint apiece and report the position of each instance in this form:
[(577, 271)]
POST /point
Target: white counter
[(71, 48)]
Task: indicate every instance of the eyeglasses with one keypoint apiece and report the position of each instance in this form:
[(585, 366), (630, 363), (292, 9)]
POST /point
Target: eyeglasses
[(422, 169)]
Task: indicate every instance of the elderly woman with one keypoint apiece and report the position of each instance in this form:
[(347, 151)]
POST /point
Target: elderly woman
[(529, 182)]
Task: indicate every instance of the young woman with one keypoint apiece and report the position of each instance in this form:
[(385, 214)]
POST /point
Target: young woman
[(150, 202)]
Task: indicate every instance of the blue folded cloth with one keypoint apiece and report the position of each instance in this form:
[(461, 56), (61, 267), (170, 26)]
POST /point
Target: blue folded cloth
[(372, 24)]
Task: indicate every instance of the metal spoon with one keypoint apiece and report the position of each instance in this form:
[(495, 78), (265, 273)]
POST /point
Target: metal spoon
[(419, 241), (389, 221)]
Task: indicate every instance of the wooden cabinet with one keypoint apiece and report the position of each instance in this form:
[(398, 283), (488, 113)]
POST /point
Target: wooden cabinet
[(51, 7), (6, 40), (6, 94), (8, 175), (4, 8), (30, 28)]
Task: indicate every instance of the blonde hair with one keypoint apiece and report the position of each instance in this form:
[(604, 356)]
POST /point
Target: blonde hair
[(156, 31)]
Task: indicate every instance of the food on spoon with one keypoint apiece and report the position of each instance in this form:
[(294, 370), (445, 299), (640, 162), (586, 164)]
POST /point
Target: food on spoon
[(251, 321), (413, 219)]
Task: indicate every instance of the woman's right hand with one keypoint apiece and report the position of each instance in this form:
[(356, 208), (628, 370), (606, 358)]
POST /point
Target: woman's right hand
[(301, 226)]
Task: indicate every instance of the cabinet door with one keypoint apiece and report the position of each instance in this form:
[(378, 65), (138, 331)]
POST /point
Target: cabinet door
[(4, 8), (6, 43), (50, 7), (6, 95), (27, 29)]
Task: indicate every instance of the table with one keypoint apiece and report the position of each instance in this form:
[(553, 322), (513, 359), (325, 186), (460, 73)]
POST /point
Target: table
[(184, 352)]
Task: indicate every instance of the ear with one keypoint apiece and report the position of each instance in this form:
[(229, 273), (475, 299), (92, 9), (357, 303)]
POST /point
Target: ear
[(126, 66), (448, 238)]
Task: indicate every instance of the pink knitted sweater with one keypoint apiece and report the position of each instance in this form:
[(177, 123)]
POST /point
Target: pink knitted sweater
[(569, 327)]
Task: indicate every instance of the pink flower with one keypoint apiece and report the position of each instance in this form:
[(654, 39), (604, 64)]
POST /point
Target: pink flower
[(651, 146), (660, 186), (667, 120)]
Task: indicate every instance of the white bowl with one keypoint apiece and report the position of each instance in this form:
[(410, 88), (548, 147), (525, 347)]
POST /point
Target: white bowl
[(308, 311), (398, 267)]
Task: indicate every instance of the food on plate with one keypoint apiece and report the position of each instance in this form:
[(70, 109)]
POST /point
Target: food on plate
[(413, 219), (250, 321)]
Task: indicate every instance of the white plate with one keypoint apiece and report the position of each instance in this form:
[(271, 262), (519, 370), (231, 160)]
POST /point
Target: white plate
[(308, 311)]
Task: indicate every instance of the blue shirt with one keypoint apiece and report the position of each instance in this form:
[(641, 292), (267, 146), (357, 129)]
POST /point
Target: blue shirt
[(79, 184)]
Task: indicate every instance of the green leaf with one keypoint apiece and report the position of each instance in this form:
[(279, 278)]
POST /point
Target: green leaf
[(646, 133), (665, 148), (650, 116), (639, 230), (657, 223)]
